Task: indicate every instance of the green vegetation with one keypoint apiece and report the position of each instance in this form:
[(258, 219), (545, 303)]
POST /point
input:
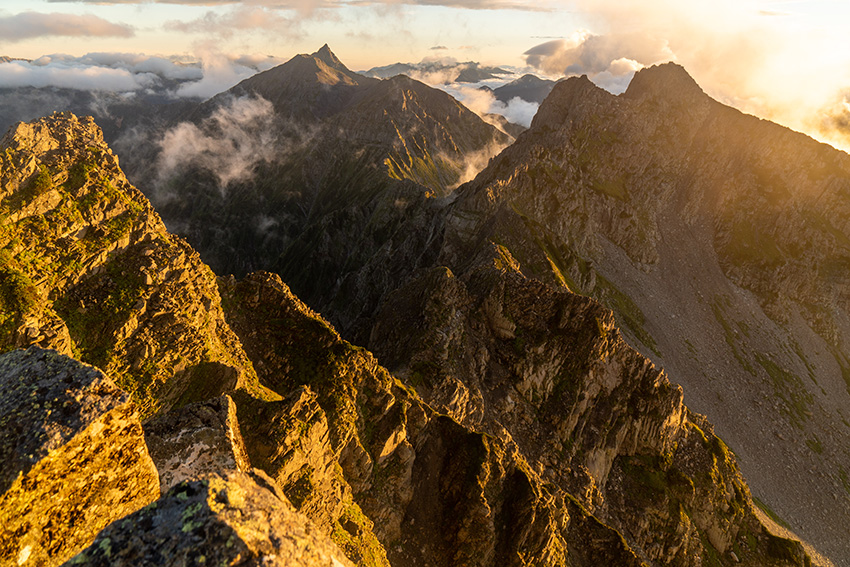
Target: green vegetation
[(18, 297), (353, 533), (842, 474), (815, 445), (613, 188), (631, 315), (748, 244), (770, 513), (789, 387), (729, 334)]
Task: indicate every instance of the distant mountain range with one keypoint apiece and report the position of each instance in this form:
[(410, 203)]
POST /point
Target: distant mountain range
[(435, 72)]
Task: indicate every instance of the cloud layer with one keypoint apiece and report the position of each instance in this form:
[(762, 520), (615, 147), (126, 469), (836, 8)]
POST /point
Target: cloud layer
[(28, 25), (212, 73)]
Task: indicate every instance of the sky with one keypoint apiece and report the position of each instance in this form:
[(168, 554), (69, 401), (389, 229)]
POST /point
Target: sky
[(784, 60)]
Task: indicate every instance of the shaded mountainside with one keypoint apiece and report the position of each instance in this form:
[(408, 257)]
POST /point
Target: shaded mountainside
[(335, 182), (528, 87), (554, 444), (720, 240)]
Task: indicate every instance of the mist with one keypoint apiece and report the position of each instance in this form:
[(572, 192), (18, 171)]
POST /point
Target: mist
[(762, 63), (229, 144)]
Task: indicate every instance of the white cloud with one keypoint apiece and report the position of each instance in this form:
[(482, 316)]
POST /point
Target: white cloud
[(220, 72), (209, 75), (24, 74), (28, 25), (483, 102), (229, 144)]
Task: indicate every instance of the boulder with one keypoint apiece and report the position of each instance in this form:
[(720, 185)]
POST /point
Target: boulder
[(242, 519), (73, 453), (196, 440)]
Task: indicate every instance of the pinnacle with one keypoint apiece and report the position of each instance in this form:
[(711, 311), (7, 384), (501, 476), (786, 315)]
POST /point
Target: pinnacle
[(668, 80), (326, 55)]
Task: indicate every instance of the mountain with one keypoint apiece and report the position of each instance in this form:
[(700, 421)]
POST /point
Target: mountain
[(719, 240), (305, 87), (89, 269), (436, 72), (563, 445), (716, 238), (378, 161), (528, 87)]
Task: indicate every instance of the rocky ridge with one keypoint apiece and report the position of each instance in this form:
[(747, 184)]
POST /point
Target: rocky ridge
[(74, 457), (716, 237), (626, 475), (89, 269)]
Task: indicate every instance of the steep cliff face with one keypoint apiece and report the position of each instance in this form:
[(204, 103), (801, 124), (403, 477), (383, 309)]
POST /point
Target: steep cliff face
[(550, 432), (89, 269), (718, 239)]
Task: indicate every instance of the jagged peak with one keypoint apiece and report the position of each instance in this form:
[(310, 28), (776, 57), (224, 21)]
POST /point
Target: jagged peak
[(565, 97), (327, 56), (668, 80), (61, 129)]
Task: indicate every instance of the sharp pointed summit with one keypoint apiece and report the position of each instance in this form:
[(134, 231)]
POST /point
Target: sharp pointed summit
[(326, 55)]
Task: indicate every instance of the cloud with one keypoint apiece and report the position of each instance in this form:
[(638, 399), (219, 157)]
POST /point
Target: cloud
[(764, 64), (309, 6), (209, 74), (610, 61), (25, 74), (482, 102), (229, 144), (221, 72), (28, 25)]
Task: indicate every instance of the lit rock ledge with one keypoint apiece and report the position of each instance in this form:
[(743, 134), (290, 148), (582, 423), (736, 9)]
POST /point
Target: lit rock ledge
[(240, 520), (195, 440), (73, 457)]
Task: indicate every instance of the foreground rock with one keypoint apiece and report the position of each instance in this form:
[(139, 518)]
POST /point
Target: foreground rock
[(238, 520), (73, 456)]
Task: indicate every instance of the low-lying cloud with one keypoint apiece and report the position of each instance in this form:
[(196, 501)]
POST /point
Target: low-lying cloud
[(63, 75), (201, 77), (483, 102), (29, 25), (229, 144)]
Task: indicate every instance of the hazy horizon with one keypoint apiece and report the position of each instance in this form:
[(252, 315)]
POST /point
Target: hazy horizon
[(778, 59)]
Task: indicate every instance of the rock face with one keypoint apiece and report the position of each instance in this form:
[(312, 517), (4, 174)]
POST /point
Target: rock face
[(88, 268), (550, 431), (196, 440), (717, 239), (73, 453), (236, 520)]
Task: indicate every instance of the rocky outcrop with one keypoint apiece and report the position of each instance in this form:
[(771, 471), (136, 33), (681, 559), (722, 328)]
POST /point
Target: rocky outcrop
[(196, 440), (88, 268), (541, 410), (73, 453), (239, 519)]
